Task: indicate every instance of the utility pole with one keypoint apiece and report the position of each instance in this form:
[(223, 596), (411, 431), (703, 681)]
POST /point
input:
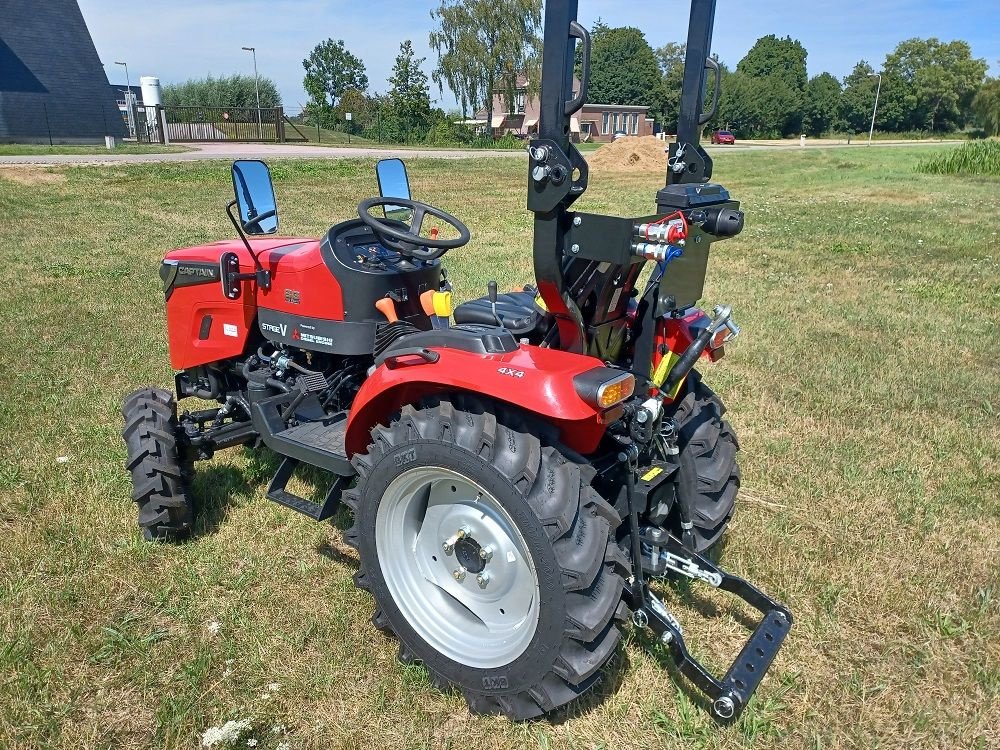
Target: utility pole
[(129, 108), (256, 86), (874, 111)]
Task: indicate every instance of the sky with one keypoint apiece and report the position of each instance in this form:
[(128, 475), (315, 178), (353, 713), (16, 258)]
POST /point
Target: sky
[(180, 39)]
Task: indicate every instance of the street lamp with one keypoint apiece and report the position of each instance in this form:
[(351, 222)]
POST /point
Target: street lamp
[(256, 86), (877, 92), (128, 100)]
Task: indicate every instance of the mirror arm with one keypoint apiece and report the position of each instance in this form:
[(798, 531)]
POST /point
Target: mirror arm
[(261, 276)]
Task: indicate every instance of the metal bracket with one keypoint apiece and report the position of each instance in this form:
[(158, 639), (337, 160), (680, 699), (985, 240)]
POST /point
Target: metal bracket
[(731, 693)]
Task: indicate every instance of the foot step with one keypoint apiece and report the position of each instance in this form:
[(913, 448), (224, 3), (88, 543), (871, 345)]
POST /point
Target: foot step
[(317, 511)]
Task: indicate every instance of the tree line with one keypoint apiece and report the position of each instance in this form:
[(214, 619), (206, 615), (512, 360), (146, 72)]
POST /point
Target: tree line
[(486, 47), (926, 85)]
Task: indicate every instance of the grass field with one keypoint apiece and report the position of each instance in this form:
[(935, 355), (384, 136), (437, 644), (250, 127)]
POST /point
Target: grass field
[(864, 390), (19, 149)]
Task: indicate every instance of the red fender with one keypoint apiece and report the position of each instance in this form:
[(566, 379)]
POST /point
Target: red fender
[(539, 381)]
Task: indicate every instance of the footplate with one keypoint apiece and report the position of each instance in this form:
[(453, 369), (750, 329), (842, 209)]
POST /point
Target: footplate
[(731, 693)]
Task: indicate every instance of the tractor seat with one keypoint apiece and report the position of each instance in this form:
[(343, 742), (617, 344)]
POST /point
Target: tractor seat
[(517, 312)]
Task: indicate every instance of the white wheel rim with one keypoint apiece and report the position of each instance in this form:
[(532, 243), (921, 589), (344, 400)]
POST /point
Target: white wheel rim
[(484, 618)]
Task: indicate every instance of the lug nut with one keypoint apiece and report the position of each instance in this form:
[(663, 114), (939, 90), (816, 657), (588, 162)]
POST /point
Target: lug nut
[(486, 553), (483, 579), (458, 574), (449, 544)]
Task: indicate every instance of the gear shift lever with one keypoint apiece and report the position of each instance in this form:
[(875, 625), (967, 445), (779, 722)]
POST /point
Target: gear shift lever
[(492, 288)]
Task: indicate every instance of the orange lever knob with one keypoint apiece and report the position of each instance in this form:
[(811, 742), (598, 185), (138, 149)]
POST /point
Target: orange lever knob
[(388, 308), (427, 302)]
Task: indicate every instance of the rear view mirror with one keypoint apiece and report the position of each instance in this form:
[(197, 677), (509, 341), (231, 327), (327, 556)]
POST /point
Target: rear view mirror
[(255, 197), (393, 183)]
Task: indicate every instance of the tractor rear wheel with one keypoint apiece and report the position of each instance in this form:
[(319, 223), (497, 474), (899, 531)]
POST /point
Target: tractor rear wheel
[(709, 476), (160, 473), (489, 555)]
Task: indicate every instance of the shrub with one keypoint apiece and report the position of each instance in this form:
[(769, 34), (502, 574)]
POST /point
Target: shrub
[(973, 158)]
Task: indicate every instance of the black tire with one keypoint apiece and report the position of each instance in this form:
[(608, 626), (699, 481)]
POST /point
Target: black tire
[(709, 476), (568, 530), (160, 473)]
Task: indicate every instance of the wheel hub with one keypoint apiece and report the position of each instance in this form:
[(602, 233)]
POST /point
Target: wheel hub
[(467, 552)]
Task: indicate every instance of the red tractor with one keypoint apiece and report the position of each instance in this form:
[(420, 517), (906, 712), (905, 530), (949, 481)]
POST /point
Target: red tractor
[(516, 473)]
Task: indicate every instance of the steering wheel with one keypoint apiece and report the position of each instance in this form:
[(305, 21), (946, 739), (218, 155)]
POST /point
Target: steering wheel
[(408, 242), (248, 227)]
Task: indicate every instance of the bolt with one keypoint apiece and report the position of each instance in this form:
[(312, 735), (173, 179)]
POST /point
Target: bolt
[(667, 637), (642, 416), (574, 248), (577, 221), (449, 544), (486, 553), (640, 619), (656, 535), (458, 574), (483, 579), (724, 707)]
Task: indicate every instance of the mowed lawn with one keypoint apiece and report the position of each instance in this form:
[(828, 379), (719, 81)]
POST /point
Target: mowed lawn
[(865, 390)]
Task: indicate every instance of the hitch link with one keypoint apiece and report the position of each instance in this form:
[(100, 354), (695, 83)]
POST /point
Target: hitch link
[(688, 567)]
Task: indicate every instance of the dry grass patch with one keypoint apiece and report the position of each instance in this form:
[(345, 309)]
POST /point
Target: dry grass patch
[(31, 175)]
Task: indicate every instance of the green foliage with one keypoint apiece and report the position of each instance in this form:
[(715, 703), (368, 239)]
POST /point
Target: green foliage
[(930, 84), (822, 105), (482, 48), (227, 91), (624, 70), (986, 106), (670, 58), (330, 71), (858, 99), (973, 158), (775, 72), (758, 107), (408, 103), (445, 132)]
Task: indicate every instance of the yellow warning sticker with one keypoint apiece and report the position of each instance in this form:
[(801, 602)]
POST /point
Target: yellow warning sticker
[(654, 472)]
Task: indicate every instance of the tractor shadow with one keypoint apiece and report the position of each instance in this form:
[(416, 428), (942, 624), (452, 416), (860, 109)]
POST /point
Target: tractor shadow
[(216, 487)]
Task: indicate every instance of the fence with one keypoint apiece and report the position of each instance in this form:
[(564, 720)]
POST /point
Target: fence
[(170, 124)]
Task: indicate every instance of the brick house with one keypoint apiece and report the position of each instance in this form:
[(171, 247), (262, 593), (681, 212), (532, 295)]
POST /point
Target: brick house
[(595, 122)]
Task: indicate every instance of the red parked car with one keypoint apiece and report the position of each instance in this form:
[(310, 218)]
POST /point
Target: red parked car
[(723, 137)]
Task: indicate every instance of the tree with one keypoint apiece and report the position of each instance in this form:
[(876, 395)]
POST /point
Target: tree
[(822, 104), (670, 58), (757, 107), (986, 106), (409, 101), (858, 98), (361, 108), (330, 70), (624, 70), (482, 48), (780, 67), (937, 82), (228, 91)]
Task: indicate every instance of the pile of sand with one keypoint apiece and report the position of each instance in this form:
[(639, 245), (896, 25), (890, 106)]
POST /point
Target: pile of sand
[(631, 154)]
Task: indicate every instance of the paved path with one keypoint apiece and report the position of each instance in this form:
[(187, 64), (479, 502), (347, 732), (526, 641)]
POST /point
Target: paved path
[(230, 151)]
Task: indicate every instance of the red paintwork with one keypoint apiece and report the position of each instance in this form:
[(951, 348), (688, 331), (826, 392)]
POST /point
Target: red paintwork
[(677, 334), (295, 264), (546, 389)]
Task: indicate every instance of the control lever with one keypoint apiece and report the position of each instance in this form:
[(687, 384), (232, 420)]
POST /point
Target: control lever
[(387, 307), (492, 289)]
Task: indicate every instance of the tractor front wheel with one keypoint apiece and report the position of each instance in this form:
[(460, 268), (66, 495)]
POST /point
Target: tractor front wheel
[(489, 556), (709, 476), (160, 473)]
